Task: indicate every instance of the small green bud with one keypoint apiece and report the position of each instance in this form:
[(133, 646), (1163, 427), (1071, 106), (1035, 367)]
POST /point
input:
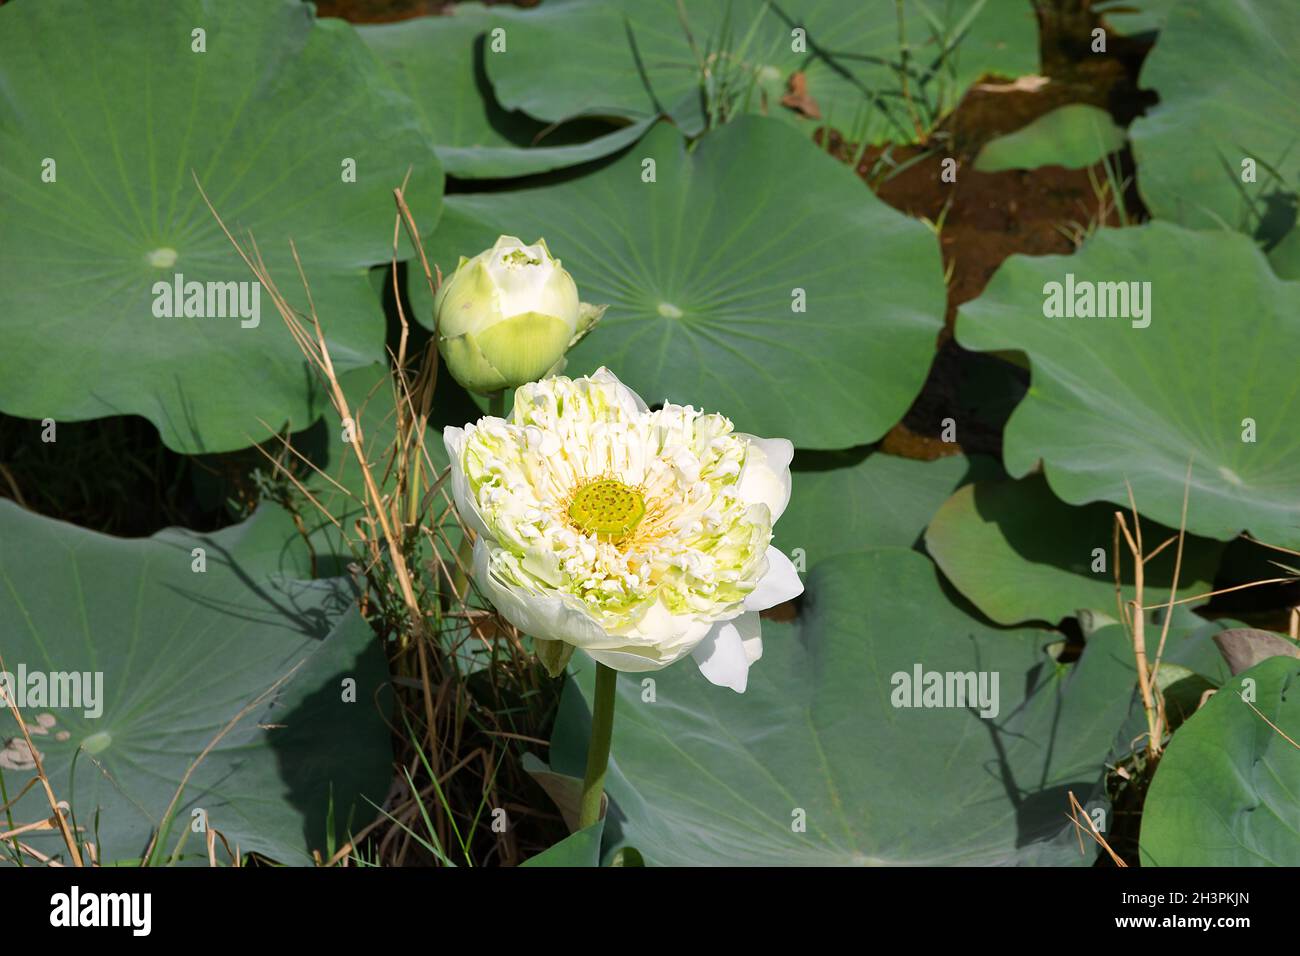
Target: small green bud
[(507, 316)]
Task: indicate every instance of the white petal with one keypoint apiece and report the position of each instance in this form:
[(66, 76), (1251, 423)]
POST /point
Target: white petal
[(656, 640), (540, 286), (665, 630), (766, 475), (750, 627), (627, 661), (551, 617), (454, 440), (721, 657), (631, 401), (781, 583)]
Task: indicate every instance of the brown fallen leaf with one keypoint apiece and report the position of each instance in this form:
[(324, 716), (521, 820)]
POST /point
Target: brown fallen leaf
[(799, 99)]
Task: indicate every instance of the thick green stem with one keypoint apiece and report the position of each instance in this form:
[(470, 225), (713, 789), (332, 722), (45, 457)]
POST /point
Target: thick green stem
[(497, 404), (602, 730)]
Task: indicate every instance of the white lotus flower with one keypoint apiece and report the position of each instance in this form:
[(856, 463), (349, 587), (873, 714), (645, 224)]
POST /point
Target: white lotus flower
[(637, 536)]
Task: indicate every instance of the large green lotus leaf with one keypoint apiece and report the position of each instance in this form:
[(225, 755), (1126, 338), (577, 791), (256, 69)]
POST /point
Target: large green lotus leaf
[(577, 849), (639, 58), (1285, 256), (1018, 553), (702, 777), (1224, 793), (1072, 136), (268, 119), (1110, 402), (181, 654), (700, 269), (438, 63), (844, 501), (1228, 76)]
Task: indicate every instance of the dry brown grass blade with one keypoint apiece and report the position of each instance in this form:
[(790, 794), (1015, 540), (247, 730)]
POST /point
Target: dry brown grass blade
[(1271, 547), (279, 465), (14, 801), (304, 490), (1132, 613), (400, 358), (1283, 734), (1209, 594), (13, 485), (35, 827), (1137, 628), (37, 855), (413, 397), (1173, 587), (1084, 824), (1118, 565), (1151, 555), (433, 277)]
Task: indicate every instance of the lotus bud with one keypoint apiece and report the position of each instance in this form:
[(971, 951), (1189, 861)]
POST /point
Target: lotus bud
[(507, 316)]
